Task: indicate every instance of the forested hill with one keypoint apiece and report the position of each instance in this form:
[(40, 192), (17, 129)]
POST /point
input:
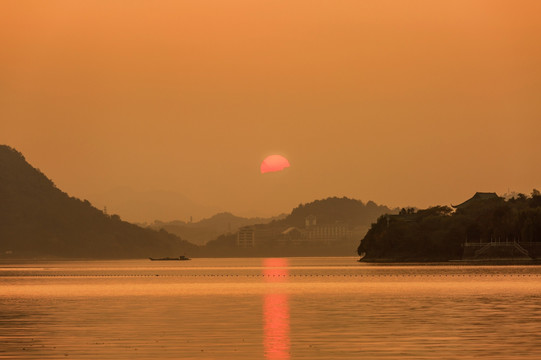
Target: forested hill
[(334, 209), (39, 220)]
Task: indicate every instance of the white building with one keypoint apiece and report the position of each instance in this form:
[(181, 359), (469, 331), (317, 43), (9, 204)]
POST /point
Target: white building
[(325, 232), (246, 237)]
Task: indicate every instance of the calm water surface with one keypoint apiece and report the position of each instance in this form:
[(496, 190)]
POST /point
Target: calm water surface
[(296, 308)]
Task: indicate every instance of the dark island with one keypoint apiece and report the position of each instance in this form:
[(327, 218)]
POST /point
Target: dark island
[(485, 227)]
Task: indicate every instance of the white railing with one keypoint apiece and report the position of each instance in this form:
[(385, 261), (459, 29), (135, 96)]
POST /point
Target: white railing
[(484, 247), (521, 249), (504, 243), (483, 250)]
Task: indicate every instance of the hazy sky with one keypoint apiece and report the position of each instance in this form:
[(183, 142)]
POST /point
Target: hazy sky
[(400, 102)]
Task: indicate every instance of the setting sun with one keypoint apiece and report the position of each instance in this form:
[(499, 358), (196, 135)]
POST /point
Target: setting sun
[(274, 163)]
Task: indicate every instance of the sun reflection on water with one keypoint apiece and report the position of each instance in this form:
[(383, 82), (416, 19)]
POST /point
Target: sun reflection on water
[(276, 312)]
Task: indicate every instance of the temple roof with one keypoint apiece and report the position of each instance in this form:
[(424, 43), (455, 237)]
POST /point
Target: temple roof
[(479, 196)]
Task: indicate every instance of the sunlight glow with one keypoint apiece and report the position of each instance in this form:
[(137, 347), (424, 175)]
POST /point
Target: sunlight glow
[(274, 163)]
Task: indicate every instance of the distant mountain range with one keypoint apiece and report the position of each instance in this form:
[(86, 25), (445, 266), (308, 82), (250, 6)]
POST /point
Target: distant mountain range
[(293, 236), (144, 206), (208, 229), (39, 220)]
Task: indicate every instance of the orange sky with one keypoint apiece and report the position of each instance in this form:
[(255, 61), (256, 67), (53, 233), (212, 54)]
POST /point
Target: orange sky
[(401, 102)]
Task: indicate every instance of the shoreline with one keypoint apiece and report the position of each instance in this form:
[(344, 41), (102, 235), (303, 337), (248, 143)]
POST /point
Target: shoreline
[(453, 262)]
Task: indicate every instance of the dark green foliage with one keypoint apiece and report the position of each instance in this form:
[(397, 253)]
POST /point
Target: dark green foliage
[(437, 234), (39, 220)]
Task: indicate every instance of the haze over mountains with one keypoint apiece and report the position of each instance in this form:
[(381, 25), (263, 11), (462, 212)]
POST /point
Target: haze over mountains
[(147, 206), (39, 220), (208, 229)]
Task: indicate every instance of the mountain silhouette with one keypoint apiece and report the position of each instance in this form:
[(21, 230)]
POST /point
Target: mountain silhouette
[(39, 220)]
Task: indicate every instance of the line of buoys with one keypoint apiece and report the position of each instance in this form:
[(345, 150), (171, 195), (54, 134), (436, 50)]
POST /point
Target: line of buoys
[(395, 276)]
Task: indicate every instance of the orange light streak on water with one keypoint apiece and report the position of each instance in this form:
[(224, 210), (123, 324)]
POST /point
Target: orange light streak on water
[(276, 313)]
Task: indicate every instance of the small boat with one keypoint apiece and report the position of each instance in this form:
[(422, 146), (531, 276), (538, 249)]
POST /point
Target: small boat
[(181, 257)]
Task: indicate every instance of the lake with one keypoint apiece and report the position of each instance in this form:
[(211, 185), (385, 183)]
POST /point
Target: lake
[(276, 308)]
